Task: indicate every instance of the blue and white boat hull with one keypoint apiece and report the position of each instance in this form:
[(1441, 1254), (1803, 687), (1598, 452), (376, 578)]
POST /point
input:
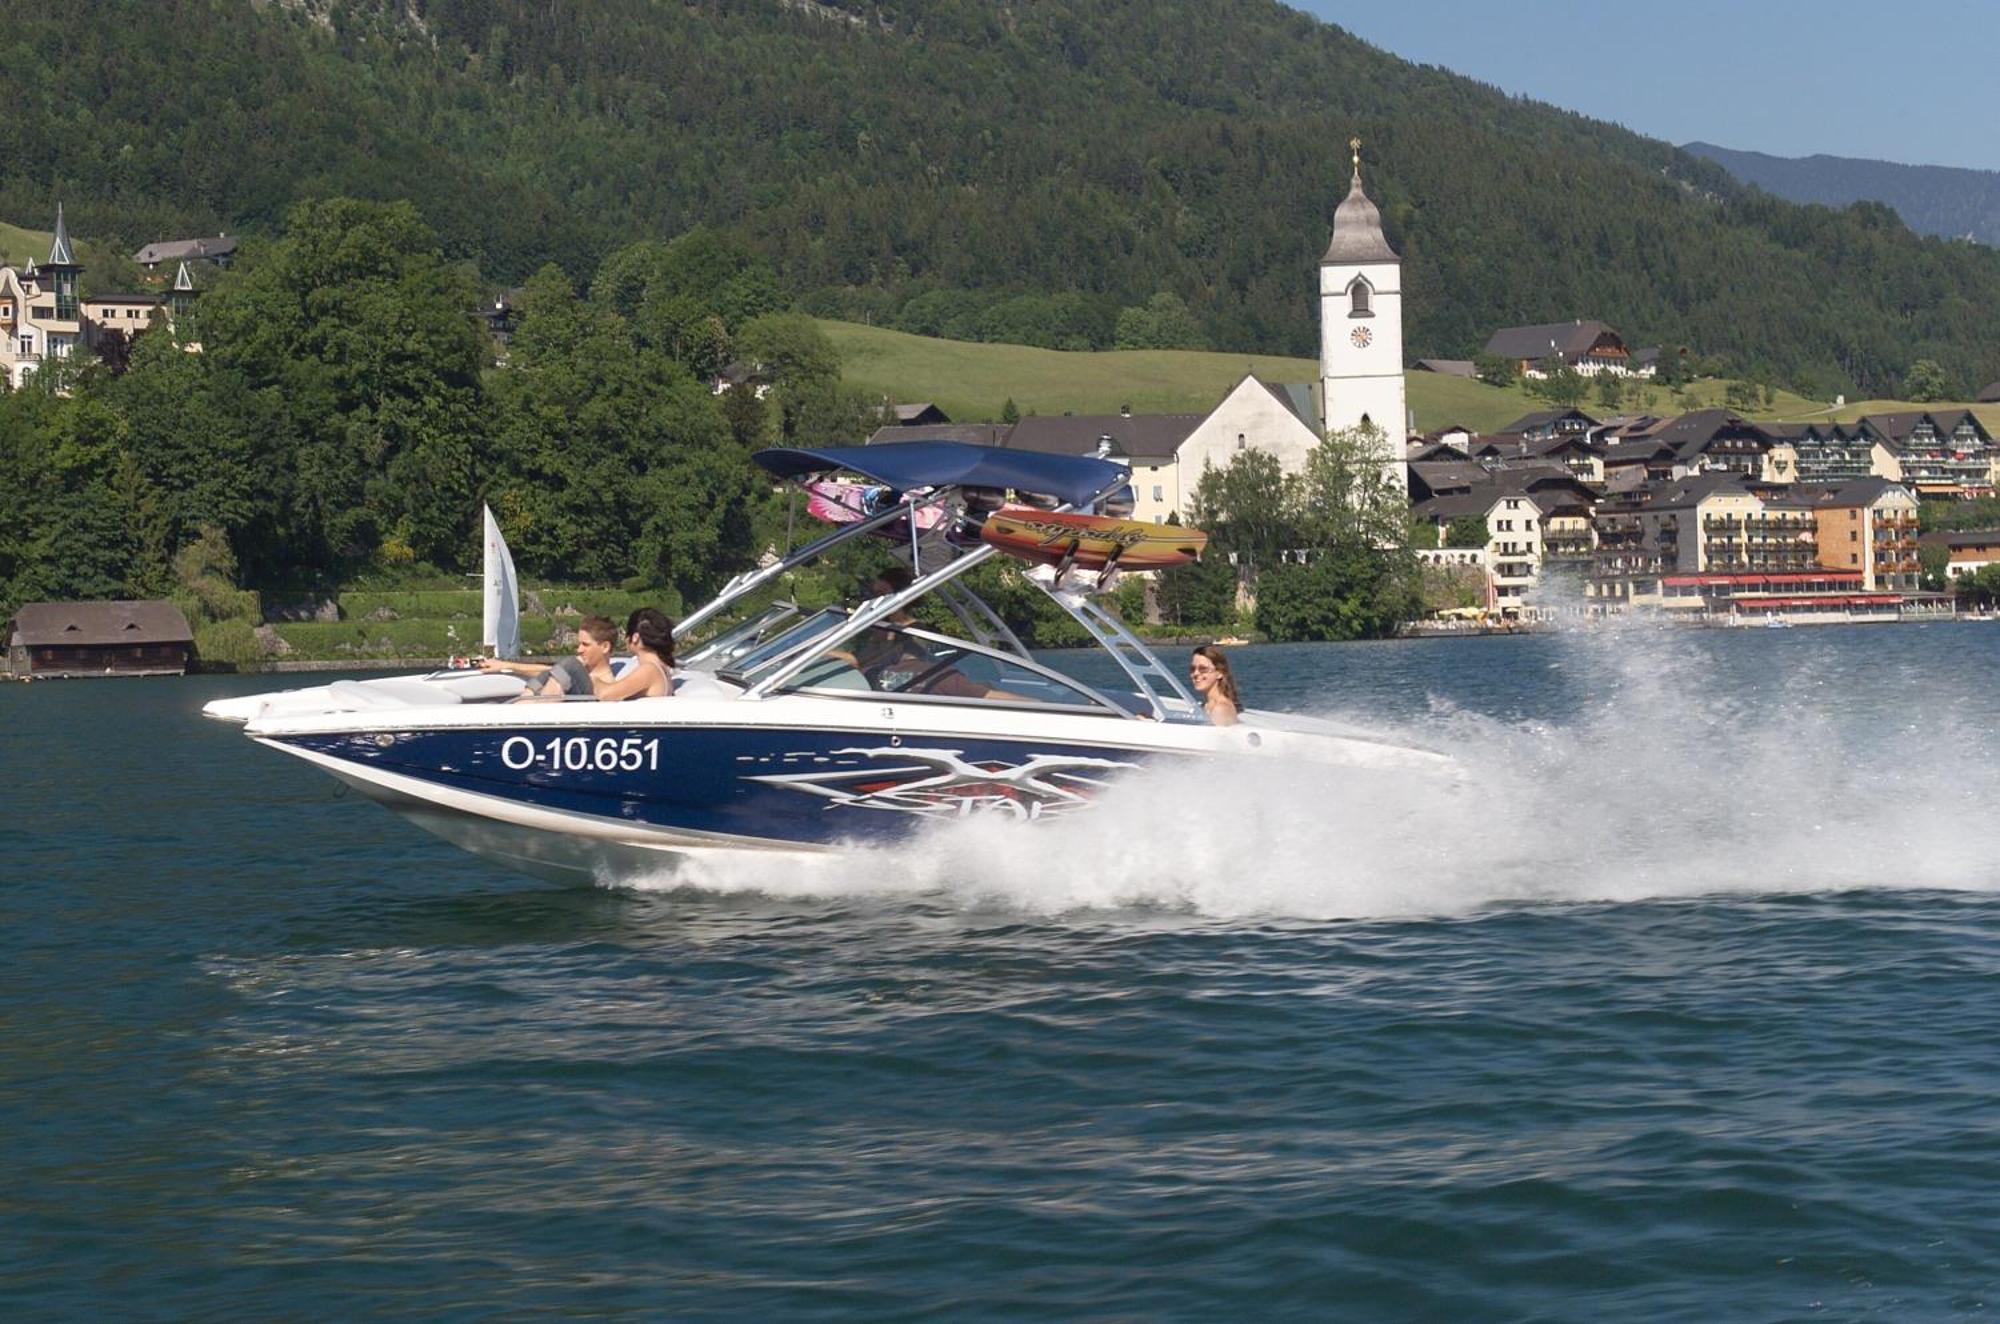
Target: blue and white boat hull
[(580, 790)]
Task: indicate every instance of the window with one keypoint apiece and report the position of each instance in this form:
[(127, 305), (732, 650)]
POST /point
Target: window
[(1159, 492), (1239, 441), (1360, 299)]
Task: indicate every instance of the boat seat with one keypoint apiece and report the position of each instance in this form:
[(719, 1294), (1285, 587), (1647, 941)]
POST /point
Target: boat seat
[(362, 695), (487, 687), (700, 685)]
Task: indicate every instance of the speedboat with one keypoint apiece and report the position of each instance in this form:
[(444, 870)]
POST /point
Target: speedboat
[(801, 731)]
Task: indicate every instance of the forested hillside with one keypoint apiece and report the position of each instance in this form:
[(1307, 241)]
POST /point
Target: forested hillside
[(1028, 170), (1938, 200)]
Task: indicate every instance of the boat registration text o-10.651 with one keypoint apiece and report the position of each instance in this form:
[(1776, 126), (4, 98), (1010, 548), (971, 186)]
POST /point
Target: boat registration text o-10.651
[(581, 754)]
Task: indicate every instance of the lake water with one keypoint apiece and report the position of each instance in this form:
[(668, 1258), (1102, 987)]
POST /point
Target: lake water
[(1683, 1003)]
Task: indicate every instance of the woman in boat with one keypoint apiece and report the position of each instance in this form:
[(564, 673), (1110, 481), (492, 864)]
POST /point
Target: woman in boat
[(1209, 670), (595, 638), (650, 632)]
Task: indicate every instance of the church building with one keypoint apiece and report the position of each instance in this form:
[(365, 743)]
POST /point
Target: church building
[(1360, 383), (1360, 363)]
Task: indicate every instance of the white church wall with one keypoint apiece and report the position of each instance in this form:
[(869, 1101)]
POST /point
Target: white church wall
[(1249, 416)]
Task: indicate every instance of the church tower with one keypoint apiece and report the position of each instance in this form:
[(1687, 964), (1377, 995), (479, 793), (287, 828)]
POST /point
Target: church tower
[(1361, 326)]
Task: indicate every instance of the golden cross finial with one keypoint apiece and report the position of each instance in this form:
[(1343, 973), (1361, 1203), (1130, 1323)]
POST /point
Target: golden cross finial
[(1354, 146)]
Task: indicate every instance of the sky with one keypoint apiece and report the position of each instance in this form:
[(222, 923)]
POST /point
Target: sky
[(1903, 80)]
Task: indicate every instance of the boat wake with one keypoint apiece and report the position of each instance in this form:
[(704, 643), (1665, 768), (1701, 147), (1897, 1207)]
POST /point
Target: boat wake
[(1663, 784)]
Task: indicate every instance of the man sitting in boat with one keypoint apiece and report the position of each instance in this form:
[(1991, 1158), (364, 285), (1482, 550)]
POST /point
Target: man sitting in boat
[(596, 636)]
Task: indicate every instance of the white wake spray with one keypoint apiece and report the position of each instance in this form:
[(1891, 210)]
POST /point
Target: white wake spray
[(1667, 783)]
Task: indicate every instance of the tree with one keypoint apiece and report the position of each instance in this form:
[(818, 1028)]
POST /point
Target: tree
[(354, 330), (1348, 592), (1009, 412), (1247, 508), (1201, 593), (1560, 384), (1494, 370), (1162, 322), (1925, 382), (613, 462), (1610, 391), (1981, 587), (1740, 395), (1932, 561), (1467, 531), (1345, 494)]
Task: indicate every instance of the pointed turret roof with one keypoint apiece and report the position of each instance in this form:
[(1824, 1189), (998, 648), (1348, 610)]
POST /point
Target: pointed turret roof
[(59, 254), (1357, 225)]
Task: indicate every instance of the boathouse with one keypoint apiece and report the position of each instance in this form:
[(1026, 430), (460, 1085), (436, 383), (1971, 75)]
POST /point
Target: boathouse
[(99, 639)]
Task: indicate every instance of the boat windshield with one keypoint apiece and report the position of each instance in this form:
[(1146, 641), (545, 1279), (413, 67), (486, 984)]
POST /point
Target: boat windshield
[(917, 664), (726, 647), (749, 662)]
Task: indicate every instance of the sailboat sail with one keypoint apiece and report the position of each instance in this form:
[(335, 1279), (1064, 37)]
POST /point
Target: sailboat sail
[(501, 629)]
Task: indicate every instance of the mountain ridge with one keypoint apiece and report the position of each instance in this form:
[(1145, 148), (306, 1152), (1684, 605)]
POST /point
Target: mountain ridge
[(1081, 155), (1951, 202)]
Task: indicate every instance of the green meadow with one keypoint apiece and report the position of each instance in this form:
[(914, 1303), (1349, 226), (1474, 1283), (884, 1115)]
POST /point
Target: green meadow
[(972, 383)]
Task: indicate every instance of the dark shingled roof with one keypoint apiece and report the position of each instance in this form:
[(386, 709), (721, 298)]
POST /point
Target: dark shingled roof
[(1898, 425), (1538, 342), (1962, 538), (1542, 418), (177, 250), (1853, 492), (975, 434), (1137, 436), (1689, 492), (1989, 393), (39, 624), (1447, 367)]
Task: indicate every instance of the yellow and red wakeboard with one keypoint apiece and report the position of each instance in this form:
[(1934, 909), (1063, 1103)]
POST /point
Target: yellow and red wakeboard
[(1091, 542)]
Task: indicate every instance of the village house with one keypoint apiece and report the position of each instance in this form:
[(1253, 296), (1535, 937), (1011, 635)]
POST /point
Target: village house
[(1536, 517), (221, 251), (1967, 552), (1512, 554), (44, 318), (1827, 452), (1588, 347), (99, 639), (1720, 441), (1937, 453), (1867, 525)]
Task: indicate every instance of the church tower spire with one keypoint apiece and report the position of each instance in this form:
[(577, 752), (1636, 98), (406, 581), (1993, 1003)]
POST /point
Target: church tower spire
[(1361, 326)]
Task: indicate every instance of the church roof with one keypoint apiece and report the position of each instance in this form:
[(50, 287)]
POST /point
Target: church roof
[(1357, 230)]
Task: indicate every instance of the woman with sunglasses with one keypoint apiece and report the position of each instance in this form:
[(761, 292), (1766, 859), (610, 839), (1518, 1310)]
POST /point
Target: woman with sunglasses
[(1208, 669)]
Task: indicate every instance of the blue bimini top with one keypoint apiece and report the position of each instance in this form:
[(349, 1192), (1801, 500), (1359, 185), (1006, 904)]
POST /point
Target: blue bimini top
[(907, 465)]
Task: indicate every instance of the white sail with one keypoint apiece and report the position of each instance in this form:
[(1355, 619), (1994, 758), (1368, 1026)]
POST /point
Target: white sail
[(501, 630)]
